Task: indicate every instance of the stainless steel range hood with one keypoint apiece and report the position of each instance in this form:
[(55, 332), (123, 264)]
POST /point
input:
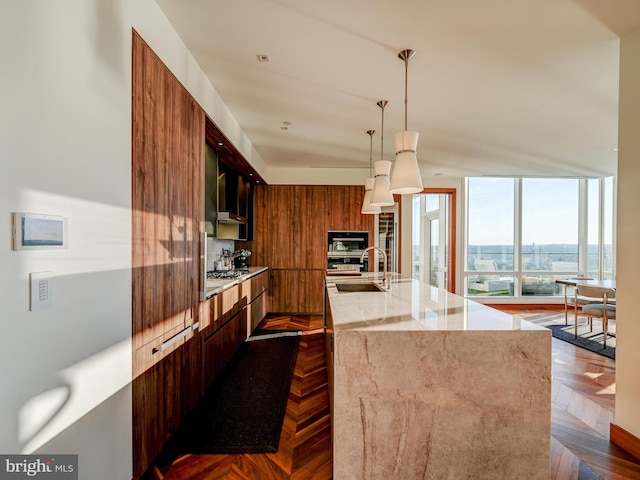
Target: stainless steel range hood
[(228, 217)]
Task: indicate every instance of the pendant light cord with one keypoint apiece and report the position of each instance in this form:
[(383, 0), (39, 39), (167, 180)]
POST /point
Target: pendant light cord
[(382, 104), (406, 88), (371, 132), (405, 56)]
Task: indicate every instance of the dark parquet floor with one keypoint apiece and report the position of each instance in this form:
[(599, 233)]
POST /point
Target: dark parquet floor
[(583, 396), (305, 443)]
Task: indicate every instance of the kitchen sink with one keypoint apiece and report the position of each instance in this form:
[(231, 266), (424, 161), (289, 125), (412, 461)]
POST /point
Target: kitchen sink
[(359, 287)]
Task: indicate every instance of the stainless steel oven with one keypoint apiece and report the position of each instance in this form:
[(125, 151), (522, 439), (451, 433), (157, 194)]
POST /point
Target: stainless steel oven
[(344, 249)]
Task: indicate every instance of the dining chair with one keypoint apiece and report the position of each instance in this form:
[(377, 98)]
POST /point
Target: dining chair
[(576, 301), (604, 309)]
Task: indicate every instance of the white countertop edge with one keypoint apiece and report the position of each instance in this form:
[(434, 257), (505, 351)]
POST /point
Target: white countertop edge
[(230, 282)]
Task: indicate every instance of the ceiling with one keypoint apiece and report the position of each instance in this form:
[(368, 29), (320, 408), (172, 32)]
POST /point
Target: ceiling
[(496, 87)]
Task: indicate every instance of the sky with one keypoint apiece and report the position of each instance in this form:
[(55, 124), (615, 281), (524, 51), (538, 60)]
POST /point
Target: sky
[(549, 206)]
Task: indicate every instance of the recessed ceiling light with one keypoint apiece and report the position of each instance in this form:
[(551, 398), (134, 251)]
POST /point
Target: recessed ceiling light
[(263, 58), (220, 144)]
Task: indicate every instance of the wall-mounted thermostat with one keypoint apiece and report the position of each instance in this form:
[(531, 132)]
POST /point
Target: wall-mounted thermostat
[(33, 231)]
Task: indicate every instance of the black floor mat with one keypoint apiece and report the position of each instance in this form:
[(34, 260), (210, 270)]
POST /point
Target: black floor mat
[(244, 409), (590, 341)]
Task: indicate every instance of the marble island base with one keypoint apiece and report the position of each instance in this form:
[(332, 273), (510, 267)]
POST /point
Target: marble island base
[(441, 405), (426, 393)]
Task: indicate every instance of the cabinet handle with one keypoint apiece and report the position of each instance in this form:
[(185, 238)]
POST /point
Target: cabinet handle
[(203, 279), (167, 343)]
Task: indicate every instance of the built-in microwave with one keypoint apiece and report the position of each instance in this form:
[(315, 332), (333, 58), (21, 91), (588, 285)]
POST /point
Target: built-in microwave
[(344, 248)]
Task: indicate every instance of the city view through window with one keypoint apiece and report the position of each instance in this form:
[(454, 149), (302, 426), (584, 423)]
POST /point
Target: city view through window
[(523, 233)]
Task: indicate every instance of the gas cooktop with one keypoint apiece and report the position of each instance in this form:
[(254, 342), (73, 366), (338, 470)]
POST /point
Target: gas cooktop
[(230, 274)]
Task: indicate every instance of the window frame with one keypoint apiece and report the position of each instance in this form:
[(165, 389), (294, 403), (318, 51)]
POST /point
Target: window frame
[(606, 193)]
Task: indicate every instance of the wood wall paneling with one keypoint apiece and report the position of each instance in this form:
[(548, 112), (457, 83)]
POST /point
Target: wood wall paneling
[(291, 225), (312, 290)]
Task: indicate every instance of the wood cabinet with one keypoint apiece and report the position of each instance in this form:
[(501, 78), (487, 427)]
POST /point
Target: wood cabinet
[(232, 315), (291, 224), (167, 199), (255, 290), (297, 291), (167, 170), (163, 395), (220, 346), (179, 343), (256, 311)]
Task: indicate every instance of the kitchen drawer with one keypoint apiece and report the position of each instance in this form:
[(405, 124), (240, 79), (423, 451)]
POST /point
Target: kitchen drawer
[(219, 308), (220, 346), (254, 286), (256, 311), (151, 353)]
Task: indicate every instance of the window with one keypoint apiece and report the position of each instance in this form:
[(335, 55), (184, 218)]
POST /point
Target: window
[(431, 237), (523, 233), (490, 226), (490, 235), (607, 264)]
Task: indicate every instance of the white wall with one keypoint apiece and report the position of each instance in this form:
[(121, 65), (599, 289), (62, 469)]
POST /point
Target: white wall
[(628, 251), (65, 149)]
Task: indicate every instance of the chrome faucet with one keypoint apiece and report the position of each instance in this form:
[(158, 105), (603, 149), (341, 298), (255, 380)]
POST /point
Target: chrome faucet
[(386, 276)]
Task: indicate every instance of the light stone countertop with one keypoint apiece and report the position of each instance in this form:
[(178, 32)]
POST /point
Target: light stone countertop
[(411, 305), (218, 285)]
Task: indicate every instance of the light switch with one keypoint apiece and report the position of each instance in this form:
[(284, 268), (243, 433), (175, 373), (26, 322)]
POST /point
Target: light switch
[(40, 290)]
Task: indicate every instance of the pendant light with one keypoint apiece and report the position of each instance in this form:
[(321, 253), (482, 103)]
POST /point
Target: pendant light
[(381, 196), (367, 208), (406, 173)]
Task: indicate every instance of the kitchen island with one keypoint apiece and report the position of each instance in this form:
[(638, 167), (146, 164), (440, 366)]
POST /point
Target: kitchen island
[(428, 384)]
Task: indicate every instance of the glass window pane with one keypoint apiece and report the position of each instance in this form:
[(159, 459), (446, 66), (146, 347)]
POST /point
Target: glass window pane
[(432, 203), (416, 227), (593, 227), (550, 224), (434, 264), (608, 267), (490, 228)]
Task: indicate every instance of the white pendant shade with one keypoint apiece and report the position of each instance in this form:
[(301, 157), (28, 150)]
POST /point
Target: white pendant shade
[(367, 208), (406, 140), (382, 197), (405, 178), (406, 175)]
